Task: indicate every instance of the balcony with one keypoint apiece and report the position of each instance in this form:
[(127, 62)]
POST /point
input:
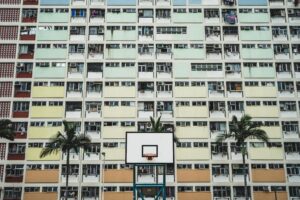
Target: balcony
[(42, 176), (97, 15), (28, 33), (193, 176), (20, 114), (268, 175), (47, 111), (146, 90), (30, 2), (48, 92), (194, 195), (118, 176), (40, 195), (26, 51), (192, 154), (44, 132)]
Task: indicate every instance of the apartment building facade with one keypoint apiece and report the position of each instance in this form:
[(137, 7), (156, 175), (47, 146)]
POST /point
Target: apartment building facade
[(108, 65)]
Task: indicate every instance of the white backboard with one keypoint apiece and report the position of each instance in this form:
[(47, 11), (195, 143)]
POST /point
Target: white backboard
[(139, 144)]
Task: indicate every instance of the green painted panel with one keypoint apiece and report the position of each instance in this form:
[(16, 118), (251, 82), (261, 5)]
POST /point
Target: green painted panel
[(187, 17), (49, 35), (49, 72), (254, 18), (189, 53), (121, 17), (121, 53), (259, 72), (53, 17), (119, 72), (195, 32), (255, 35), (50, 54), (182, 69), (121, 35), (257, 53)]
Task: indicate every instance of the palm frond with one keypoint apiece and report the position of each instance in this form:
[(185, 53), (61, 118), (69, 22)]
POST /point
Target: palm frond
[(6, 129), (222, 137)]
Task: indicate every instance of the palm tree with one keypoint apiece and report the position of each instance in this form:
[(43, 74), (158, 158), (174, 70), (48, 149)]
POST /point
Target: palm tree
[(156, 125), (240, 131), (66, 143), (7, 130)]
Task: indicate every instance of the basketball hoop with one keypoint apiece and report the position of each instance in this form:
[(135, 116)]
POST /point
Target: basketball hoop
[(149, 156)]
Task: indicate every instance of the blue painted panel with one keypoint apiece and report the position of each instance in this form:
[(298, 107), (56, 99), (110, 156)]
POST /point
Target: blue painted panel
[(55, 2), (121, 2), (253, 2), (195, 2), (179, 2)]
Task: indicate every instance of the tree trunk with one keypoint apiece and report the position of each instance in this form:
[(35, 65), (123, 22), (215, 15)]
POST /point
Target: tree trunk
[(67, 175), (245, 171)]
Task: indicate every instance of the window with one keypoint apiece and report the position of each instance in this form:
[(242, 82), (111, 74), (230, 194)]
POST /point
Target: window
[(206, 67)]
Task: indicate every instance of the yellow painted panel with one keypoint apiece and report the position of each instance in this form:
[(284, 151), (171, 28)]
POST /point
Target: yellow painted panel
[(33, 154), (263, 92), (43, 132), (270, 195), (192, 132), (115, 131), (266, 153), (194, 195), (48, 92), (262, 111), (272, 131), (194, 92), (119, 92), (193, 175), (47, 112), (40, 195), (191, 111), (118, 195), (192, 154), (42, 176), (114, 153), (119, 111)]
